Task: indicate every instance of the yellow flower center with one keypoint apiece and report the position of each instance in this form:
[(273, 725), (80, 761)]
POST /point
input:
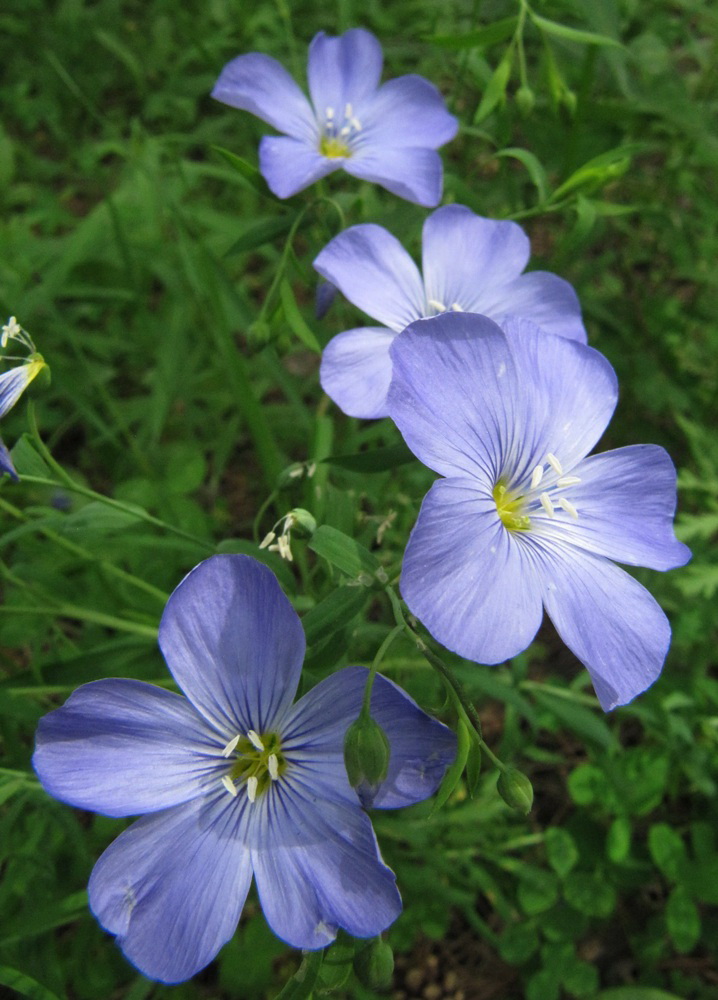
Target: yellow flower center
[(258, 762), (510, 508), (333, 147)]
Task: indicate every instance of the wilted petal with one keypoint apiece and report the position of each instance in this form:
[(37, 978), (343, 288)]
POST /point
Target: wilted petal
[(469, 580), (122, 747), (408, 111), (343, 70), (356, 371), (318, 869), (410, 172), (173, 885), (607, 619), (262, 86), (545, 299), (233, 643), (373, 270), (6, 463), (290, 165)]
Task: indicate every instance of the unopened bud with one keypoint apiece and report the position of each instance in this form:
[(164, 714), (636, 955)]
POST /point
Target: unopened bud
[(516, 790), (302, 523), (258, 334), (525, 100), (374, 965), (366, 757)]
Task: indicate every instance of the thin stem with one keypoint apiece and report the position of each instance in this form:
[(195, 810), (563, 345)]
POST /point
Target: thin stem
[(84, 614), (366, 704)]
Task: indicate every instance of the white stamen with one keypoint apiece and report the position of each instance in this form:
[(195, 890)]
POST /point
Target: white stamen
[(267, 540), (555, 464), (230, 746), (273, 765), (536, 476), (568, 481), (329, 113), (355, 123), (455, 307), (255, 740), (348, 111), (295, 473), (229, 785), (252, 783), (435, 304), (284, 549), (546, 504), (345, 130), (568, 507)]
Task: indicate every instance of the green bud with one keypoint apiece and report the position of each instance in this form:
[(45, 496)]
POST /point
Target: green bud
[(374, 965), (366, 756), (525, 100), (258, 334), (516, 790), (302, 523)]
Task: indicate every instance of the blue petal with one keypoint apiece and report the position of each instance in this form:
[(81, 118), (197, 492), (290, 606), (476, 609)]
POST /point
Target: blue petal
[(233, 643), (421, 747), (13, 383), (467, 578), (290, 165), (356, 371), (173, 885), (343, 70), (262, 86), (318, 869), (469, 260), (626, 501), (6, 463), (545, 299), (410, 172), (373, 270), (408, 111), (607, 619), (122, 747)]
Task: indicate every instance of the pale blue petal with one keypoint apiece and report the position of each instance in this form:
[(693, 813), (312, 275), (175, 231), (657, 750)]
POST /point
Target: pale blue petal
[(173, 885), (262, 86), (408, 111), (373, 270), (13, 383), (411, 172), (607, 619), (234, 643), (122, 747), (467, 578), (6, 463), (290, 165), (356, 371), (547, 300), (343, 70)]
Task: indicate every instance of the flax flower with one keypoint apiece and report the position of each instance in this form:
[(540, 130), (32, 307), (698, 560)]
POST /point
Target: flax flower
[(234, 780), (386, 133), (15, 381), (523, 519)]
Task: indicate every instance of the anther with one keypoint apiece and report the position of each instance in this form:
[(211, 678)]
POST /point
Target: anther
[(273, 766), (555, 464), (230, 746), (568, 481), (546, 504), (230, 786), (345, 130), (255, 740), (348, 110), (455, 307), (329, 113), (267, 540), (536, 476), (252, 783), (435, 304), (568, 507), (355, 123)]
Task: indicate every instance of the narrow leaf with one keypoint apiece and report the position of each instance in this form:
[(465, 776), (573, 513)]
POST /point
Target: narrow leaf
[(295, 320), (376, 460), (534, 167), (481, 38), (573, 34), (333, 613), (345, 553), (496, 88)]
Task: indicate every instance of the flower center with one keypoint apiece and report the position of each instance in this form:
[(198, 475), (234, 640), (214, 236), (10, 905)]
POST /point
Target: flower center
[(337, 134), (258, 761), (510, 508), (514, 506)]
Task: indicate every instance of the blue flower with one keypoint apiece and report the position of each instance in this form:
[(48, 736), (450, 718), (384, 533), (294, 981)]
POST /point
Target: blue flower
[(15, 381), (385, 133), (524, 520), (235, 780), (471, 264)]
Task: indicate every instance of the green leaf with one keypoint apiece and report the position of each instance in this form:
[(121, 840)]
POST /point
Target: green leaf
[(481, 38), (683, 920), (667, 850), (46, 918), (580, 719), (295, 320), (537, 890), (25, 985), (28, 461), (518, 943), (590, 893), (534, 167), (333, 613), (597, 171), (561, 850), (247, 170), (348, 555), (573, 34), (496, 88), (260, 233), (635, 993), (618, 840), (376, 460), (588, 784), (473, 768), (302, 983)]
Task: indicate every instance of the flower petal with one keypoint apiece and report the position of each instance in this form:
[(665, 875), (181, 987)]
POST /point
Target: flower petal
[(123, 747), (373, 270), (262, 86), (607, 619), (319, 869), (421, 747), (408, 111), (469, 580), (469, 260), (626, 501), (15, 381), (290, 165), (343, 70), (173, 885), (410, 172), (234, 643), (356, 371), (6, 463), (545, 299)]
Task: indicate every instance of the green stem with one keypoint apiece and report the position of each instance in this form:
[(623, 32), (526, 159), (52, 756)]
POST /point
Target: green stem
[(85, 614), (381, 652)]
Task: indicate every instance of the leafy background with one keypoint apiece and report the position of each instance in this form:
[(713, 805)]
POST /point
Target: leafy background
[(173, 298)]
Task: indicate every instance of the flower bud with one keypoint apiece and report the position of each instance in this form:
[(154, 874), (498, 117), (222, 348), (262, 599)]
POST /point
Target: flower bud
[(302, 523), (374, 965), (525, 100), (366, 757), (516, 790)]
